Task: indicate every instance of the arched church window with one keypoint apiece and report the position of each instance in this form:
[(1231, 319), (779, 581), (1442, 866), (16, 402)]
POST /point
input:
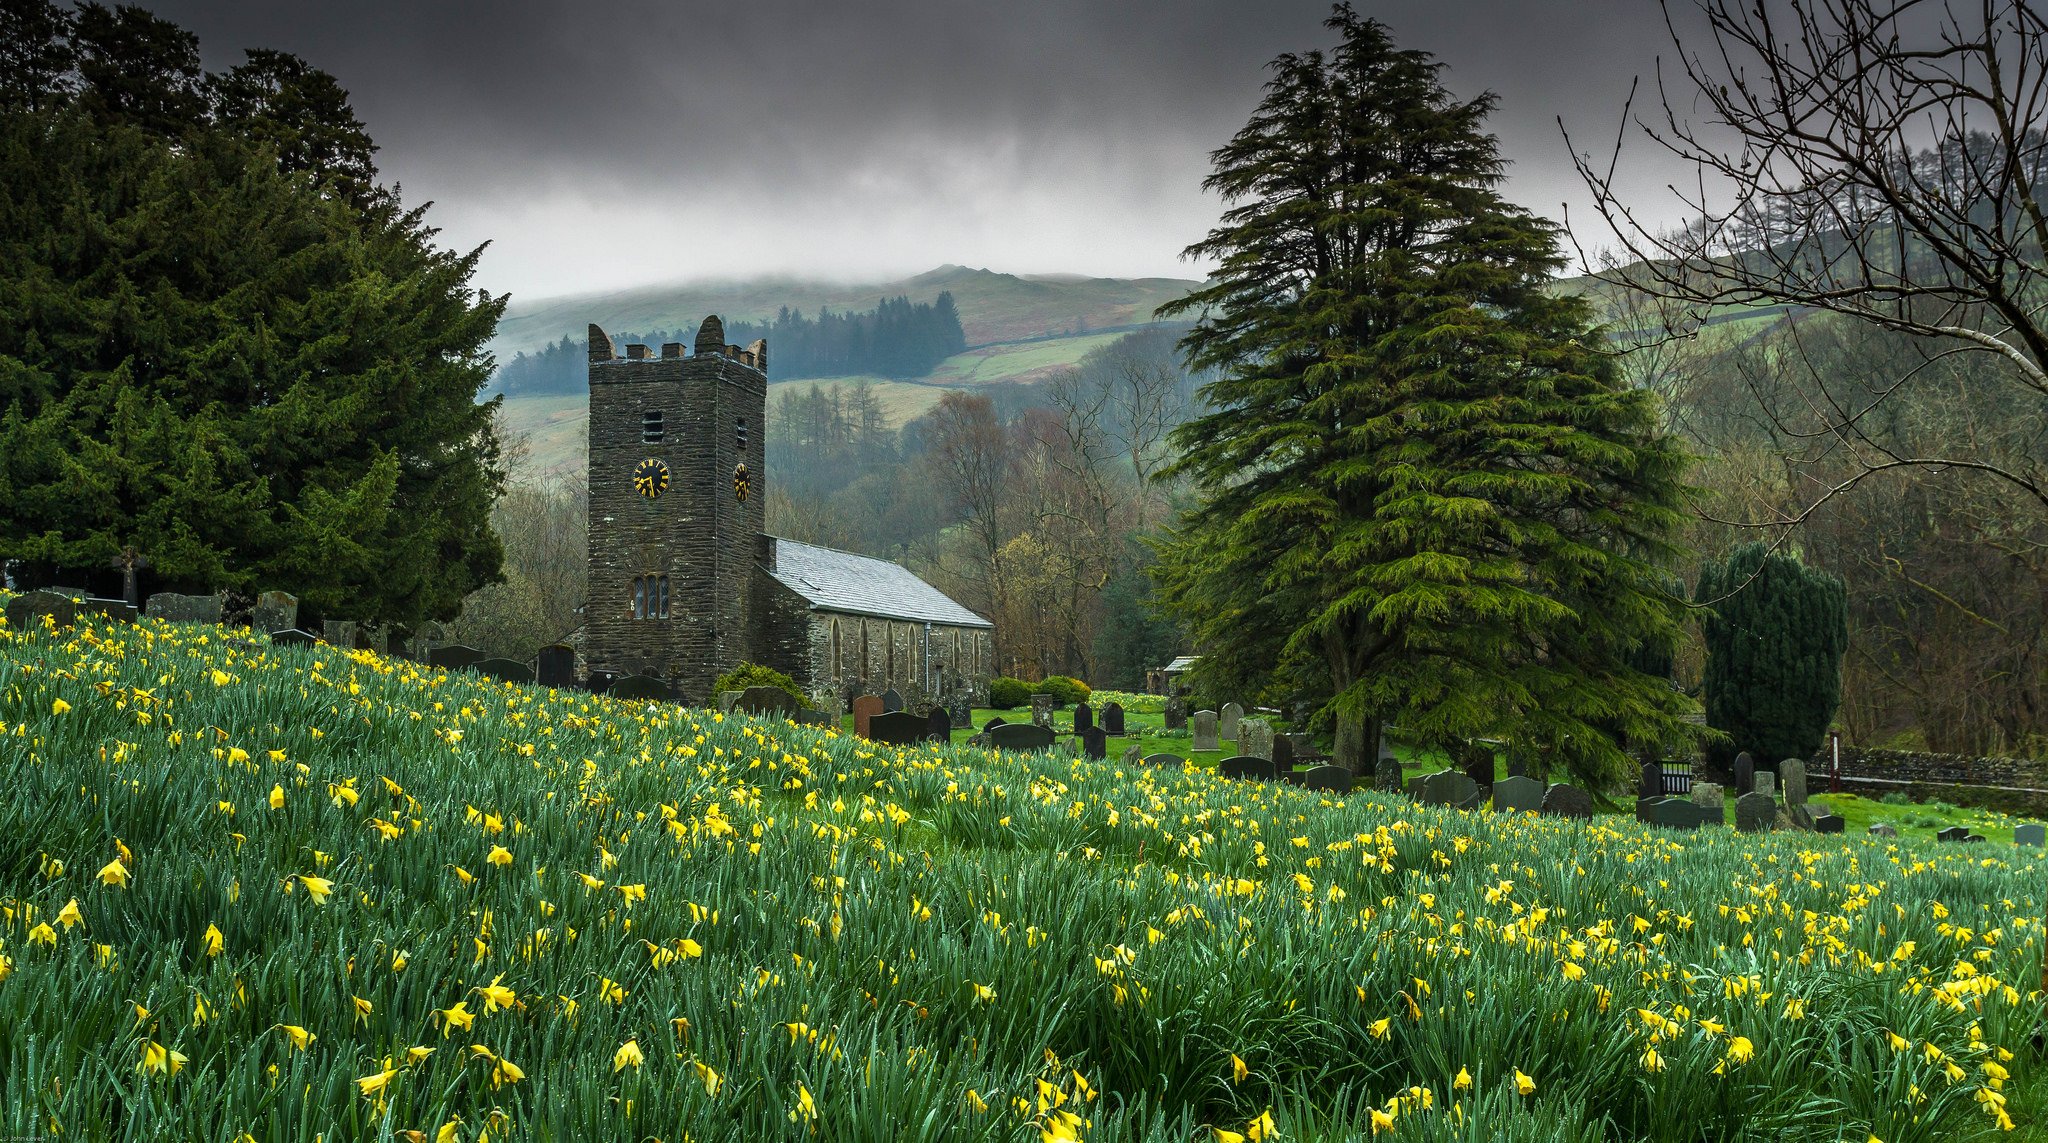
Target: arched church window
[(835, 650)]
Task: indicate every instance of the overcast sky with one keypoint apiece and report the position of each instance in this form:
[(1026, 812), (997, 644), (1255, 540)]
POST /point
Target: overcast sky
[(604, 144)]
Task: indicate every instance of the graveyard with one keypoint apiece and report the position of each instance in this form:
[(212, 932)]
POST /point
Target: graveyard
[(321, 863)]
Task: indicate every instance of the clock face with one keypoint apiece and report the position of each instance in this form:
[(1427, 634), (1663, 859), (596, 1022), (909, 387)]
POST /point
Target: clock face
[(650, 478), (741, 483)]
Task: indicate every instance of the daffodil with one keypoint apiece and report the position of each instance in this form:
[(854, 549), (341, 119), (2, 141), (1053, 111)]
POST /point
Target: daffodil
[(114, 873), (373, 1085), (1238, 1070), (211, 940), (69, 914), (627, 1056), (1524, 1084), (59, 706), (300, 1038), (1463, 1082), (317, 887)]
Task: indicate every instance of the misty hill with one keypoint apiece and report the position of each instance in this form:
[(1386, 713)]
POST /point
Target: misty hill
[(993, 307)]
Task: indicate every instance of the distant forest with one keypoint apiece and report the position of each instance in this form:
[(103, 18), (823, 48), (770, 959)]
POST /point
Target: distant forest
[(897, 339)]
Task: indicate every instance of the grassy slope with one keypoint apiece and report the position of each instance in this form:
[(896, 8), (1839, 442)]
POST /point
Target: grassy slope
[(784, 922)]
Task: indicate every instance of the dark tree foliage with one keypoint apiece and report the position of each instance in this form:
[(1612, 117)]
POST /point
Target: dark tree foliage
[(300, 113), (217, 353), (897, 339), (1776, 631), (1136, 634), (1421, 481)]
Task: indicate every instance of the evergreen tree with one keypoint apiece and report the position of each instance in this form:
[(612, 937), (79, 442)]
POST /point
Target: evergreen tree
[(1776, 631), (215, 360), (1424, 490)]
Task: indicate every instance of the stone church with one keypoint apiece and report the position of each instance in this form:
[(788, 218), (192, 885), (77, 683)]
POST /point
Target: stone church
[(685, 583)]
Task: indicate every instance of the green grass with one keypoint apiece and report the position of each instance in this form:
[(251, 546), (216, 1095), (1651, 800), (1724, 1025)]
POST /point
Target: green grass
[(924, 943)]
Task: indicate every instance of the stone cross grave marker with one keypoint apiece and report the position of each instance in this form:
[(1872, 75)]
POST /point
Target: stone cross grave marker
[(1517, 794), (865, 708), (1228, 719), (1113, 720), (130, 561), (1205, 732), (1756, 811)]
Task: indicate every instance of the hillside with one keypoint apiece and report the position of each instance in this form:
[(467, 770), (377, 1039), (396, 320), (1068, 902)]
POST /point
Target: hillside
[(250, 888), (994, 307)]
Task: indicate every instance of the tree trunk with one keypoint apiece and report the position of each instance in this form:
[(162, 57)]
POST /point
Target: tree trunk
[(1352, 744)]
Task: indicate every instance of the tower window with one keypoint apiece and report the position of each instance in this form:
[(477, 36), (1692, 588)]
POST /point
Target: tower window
[(650, 597), (650, 427), (739, 434)]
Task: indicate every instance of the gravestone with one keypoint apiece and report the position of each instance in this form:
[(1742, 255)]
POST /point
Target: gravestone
[(1386, 776), (1745, 773), (1564, 800), (275, 611), (1176, 717), (1228, 720), (1827, 823), (1766, 783), (1479, 766), (1708, 794), (455, 657), (1255, 740), (960, 708), (819, 718), (1952, 833), (767, 701), (1518, 795), (1329, 779), (174, 608), (1113, 720), (27, 612), (505, 669), (339, 632), (1792, 775), (939, 725), (1453, 788), (1084, 717), (117, 610), (1884, 829), (1243, 767), (1167, 761), (555, 666), (1756, 811), (727, 698), (1283, 751), (993, 722), (600, 682), (2030, 833), (1680, 813), (1517, 768), (1021, 736), (641, 688), (1041, 711), (865, 708), (1652, 783), (892, 701), (1133, 754), (1094, 743), (898, 728), (293, 637), (1205, 732)]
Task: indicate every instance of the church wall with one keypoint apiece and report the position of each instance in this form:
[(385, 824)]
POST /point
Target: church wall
[(875, 654)]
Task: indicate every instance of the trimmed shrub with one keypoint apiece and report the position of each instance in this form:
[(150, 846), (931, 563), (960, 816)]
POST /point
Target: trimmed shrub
[(1064, 691), (755, 675), (1008, 694), (1775, 632)]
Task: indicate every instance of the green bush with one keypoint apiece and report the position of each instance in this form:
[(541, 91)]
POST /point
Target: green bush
[(1064, 691), (755, 675), (1008, 694)]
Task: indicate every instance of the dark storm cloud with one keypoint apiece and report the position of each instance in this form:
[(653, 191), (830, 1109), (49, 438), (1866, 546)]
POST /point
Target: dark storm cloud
[(605, 144)]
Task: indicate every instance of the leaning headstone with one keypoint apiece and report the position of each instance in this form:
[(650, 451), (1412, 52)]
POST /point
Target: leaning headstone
[(1652, 783), (939, 725), (1708, 794), (1255, 740), (174, 608), (1756, 812), (293, 637), (1113, 720), (1884, 829), (504, 669), (1745, 773), (1827, 823), (274, 611), (641, 688), (1228, 719), (1164, 761), (1243, 767), (993, 722), (1041, 711), (898, 728), (455, 657), (1564, 800), (1021, 736), (769, 701), (892, 701), (1133, 754), (1176, 717), (1953, 833), (1205, 732), (2030, 833), (1386, 776), (1453, 788), (555, 666), (29, 611), (865, 708), (1094, 743), (1329, 779), (1766, 783), (1084, 717), (1518, 794)]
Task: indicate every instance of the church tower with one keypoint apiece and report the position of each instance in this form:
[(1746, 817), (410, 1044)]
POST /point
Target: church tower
[(675, 507)]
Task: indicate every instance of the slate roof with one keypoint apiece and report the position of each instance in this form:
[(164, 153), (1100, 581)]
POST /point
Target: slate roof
[(862, 585), (1181, 664)]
